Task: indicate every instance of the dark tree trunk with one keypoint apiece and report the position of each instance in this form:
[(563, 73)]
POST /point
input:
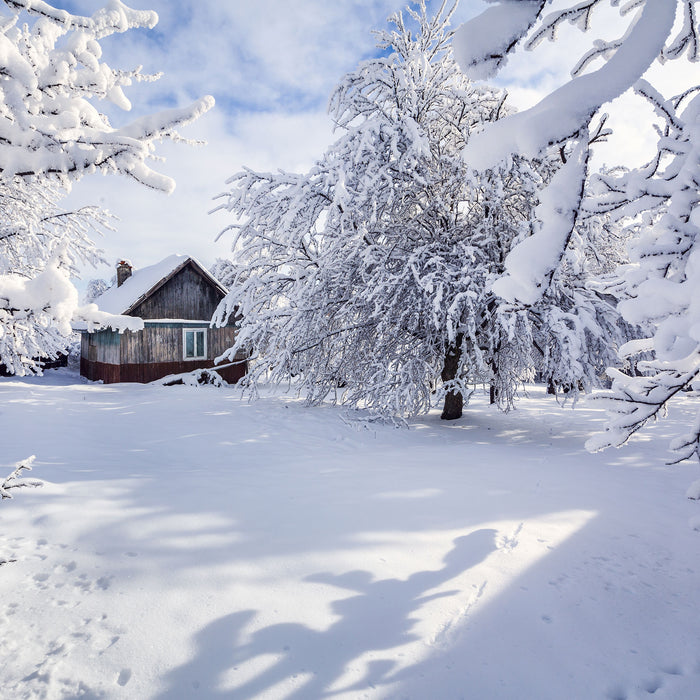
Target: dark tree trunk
[(493, 391), (454, 402)]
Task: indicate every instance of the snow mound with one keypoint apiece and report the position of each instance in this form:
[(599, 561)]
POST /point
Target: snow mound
[(200, 377)]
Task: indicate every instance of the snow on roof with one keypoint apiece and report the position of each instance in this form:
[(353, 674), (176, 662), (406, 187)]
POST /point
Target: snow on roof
[(118, 300)]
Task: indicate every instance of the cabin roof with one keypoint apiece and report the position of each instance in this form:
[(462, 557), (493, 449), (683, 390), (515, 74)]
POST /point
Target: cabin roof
[(144, 282)]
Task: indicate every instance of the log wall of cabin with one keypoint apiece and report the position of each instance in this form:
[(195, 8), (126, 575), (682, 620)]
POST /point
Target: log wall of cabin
[(157, 351), (187, 295), (99, 356), (161, 342), (153, 353), (100, 346)]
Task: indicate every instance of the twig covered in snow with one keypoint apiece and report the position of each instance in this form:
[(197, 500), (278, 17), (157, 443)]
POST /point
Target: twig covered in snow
[(15, 480), (54, 80), (566, 114), (660, 204)]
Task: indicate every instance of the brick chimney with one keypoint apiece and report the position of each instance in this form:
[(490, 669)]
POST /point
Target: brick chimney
[(123, 271)]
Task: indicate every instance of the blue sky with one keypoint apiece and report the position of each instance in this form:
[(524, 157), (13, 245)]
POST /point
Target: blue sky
[(271, 65)]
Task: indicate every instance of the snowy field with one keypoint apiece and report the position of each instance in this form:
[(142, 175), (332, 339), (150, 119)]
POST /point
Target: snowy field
[(189, 544)]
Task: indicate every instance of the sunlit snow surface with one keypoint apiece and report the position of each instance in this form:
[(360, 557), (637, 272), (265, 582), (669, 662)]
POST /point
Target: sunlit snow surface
[(190, 544)]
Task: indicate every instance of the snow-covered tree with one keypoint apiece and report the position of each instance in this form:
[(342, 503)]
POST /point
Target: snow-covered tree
[(35, 234), (53, 132), (226, 271), (374, 271), (368, 278), (53, 83), (659, 201), (95, 288)]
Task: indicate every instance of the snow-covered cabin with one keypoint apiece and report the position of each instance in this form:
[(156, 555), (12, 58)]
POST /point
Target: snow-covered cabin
[(176, 298)]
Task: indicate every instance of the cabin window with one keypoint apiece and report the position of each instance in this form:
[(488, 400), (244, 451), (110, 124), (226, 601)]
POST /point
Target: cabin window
[(195, 343)]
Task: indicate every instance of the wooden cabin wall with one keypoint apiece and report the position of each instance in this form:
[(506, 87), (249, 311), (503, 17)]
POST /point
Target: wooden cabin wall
[(220, 340), (163, 343), (153, 344), (99, 356), (187, 295), (157, 351), (100, 346)]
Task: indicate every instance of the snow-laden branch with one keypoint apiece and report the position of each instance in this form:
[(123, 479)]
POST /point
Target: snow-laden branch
[(564, 112), (481, 46), (50, 122), (662, 285), (15, 481), (531, 264)]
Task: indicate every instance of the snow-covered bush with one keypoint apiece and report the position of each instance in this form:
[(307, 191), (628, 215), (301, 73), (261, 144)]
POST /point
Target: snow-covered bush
[(198, 377)]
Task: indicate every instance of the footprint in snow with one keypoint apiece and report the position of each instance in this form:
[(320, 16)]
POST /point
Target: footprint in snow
[(124, 677), (653, 685)]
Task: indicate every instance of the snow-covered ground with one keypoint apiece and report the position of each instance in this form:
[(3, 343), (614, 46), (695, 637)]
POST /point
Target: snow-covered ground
[(189, 544)]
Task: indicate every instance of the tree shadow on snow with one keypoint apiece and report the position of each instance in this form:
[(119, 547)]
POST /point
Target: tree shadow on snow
[(309, 663)]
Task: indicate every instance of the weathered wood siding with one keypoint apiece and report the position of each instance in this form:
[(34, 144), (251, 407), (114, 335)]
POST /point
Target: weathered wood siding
[(159, 342), (187, 295), (156, 343), (220, 340), (99, 356), (100, 346), (95, 371), (153, 353)]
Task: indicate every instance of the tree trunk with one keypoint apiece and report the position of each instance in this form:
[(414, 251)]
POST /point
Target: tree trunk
[(493, 391), (454, 402)]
